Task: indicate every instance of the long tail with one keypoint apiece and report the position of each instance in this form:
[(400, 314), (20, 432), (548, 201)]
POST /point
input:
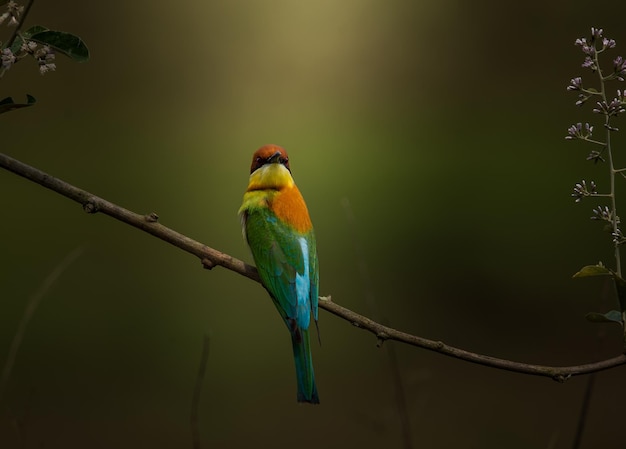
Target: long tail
[(307, 390)]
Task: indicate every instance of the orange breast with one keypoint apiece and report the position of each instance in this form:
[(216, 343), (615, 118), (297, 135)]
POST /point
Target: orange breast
[(289, 206)]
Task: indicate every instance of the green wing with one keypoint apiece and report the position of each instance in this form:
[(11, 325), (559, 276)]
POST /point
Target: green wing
[(287, 264)]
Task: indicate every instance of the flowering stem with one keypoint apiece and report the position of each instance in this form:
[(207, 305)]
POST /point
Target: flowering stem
[(612, 170), (597, 142), (18, 27), (614, 222)]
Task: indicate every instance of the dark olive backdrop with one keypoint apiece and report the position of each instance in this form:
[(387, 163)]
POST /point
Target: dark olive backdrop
[(441, 122)]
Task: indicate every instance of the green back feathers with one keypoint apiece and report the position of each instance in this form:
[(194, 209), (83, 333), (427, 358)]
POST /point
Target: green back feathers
[(279, 256)]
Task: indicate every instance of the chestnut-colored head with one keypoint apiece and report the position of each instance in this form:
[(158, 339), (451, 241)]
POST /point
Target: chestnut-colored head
[(269, 154)]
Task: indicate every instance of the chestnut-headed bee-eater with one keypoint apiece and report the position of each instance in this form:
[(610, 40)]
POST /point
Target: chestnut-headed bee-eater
[(279, 232)]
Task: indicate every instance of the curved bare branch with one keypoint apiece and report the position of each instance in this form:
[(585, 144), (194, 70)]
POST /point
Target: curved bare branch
[(211, 257)]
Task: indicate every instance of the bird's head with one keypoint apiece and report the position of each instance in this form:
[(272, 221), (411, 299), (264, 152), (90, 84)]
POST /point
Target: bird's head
[(270, 169), (269, 154)]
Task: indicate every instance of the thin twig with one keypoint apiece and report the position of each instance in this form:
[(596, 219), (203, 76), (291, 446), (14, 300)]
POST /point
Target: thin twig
[(31, 306), (211, 257), (608, 292), (18, 27), (584, 411), (612, 172), (195, 401)]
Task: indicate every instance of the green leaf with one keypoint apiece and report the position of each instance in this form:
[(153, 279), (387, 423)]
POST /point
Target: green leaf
[(614, 316), (601, 270), (66, 43), (593, 270), (7, 104), (33, 30), (19, 39), (17, 44)]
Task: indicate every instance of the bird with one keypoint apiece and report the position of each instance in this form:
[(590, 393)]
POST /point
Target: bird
[(277, 228)]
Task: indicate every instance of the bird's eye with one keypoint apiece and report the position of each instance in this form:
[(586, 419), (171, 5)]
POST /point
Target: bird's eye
[(258, 159), (285, 160)]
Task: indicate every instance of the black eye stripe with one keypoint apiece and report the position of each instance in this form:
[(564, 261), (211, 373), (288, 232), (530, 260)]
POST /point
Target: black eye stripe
[(260, 161)]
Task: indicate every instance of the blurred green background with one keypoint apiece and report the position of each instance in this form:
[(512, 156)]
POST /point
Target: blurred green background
[(442, 124)]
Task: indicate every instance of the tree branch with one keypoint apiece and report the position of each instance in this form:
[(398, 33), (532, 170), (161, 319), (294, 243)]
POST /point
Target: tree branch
[(18, 27), (211, 257)]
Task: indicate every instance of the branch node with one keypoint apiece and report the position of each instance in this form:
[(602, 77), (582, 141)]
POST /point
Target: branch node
[(90, 207), (355, 324), (381, 337), (326, 298), (439, 344), (561, 378), (152, 217), (208, 263)]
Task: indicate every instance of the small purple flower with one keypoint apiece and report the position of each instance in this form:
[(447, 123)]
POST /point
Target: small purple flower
[(582, 98), (576, 131), (618, 237), (581, 190), (581, 41), (619, 67), (589, 63), (602, 213), (13, 12), (573, 132), (575, 83), (610, 109), (596, 33), (45, 57), (589, 50), (615, 106), (595, 156), (29, 46), (608, 43), (7, 58)]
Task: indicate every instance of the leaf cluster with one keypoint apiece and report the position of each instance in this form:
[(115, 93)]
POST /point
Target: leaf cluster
[(41, 44), (612, 316), (65, 43)]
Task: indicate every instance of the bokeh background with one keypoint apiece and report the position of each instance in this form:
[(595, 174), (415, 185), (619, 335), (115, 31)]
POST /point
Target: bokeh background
[(440, 123)]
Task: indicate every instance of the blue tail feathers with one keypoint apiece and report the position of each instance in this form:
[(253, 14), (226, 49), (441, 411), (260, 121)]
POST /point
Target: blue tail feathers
[(307, 390)]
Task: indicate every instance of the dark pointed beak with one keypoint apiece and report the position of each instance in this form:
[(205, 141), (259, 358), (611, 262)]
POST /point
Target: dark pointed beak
[(275, 158)]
